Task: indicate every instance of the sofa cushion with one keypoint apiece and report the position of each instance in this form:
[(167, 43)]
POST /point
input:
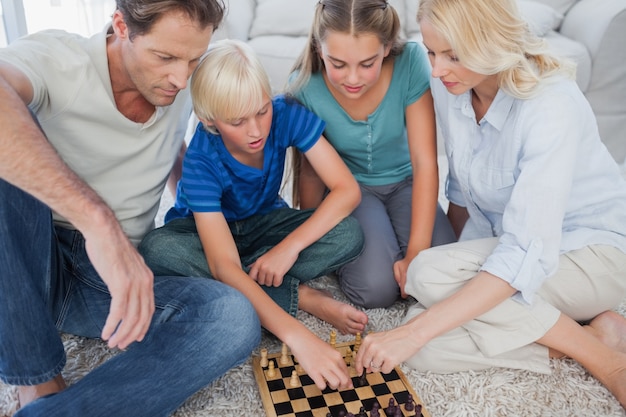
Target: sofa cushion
[(283, 17), (540, 15), (541, 18), (294, 17)]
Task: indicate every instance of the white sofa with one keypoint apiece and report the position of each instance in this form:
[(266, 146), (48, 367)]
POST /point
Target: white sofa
[(592, 32)]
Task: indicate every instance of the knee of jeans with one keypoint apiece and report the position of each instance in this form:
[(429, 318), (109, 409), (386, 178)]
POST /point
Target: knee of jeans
[(152, 247), (239, 321)]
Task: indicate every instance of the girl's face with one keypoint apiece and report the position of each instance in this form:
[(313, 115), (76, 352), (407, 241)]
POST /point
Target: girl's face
[(353, 64), (445, 64), (245, 137)]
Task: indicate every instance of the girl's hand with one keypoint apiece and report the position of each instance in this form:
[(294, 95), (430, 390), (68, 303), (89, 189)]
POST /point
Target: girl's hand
[(399, 272)]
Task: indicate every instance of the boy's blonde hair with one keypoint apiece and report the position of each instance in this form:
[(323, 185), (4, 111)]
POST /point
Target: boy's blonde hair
[(489, 37), (229, 83)]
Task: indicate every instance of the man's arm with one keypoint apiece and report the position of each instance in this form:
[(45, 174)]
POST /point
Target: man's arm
[(29, 162)]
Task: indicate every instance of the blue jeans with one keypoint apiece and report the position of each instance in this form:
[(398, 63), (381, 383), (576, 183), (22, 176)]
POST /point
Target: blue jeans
[(175, 249), (199, 330)]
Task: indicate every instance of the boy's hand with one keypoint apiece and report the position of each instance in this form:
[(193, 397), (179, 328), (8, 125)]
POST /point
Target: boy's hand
[(321, 362), (270, 269)]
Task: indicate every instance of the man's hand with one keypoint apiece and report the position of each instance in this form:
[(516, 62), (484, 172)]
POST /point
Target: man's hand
[(130, 284)]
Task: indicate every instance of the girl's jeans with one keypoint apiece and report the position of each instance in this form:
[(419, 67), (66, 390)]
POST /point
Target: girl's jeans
[(175, 249), (199, 330)]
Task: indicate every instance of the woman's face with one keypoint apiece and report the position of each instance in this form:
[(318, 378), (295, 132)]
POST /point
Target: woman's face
[(353, 64), (445, 65)]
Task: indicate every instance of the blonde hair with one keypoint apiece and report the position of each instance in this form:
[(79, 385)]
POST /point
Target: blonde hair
[(229, 83), (354, 17), (489, 37)]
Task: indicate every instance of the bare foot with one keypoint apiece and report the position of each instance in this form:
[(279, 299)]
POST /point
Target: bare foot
[(610, 328), (29, 393), (321, 304)]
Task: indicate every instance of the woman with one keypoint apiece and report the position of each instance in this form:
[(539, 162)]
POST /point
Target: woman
[(538, 202)]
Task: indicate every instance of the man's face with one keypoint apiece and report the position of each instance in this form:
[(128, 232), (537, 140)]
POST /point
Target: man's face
[(160, 62)]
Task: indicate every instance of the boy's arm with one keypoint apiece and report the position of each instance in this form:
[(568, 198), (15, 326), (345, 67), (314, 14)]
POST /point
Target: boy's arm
[(343, 197), (323, 363)]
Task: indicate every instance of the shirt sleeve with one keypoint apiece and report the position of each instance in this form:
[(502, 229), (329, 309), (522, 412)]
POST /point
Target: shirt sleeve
[(529, 246), (419, 72)]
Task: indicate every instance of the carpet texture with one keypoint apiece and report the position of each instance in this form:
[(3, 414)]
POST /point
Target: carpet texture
[(568, 391)]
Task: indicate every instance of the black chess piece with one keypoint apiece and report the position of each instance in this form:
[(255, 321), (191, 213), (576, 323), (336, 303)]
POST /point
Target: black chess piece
[(410, 404), (391, 407)]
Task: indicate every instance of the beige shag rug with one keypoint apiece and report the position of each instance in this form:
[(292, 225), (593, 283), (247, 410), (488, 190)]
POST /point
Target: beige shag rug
[(568, 391)]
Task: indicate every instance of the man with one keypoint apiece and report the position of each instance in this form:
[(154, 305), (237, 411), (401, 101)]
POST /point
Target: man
[(77, 199)]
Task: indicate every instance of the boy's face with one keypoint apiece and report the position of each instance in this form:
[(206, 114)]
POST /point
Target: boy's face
[(245, 137)]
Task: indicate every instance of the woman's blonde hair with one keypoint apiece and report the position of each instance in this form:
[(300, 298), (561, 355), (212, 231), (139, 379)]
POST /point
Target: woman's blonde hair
[(489, 37), (354, 17), (229, 83)]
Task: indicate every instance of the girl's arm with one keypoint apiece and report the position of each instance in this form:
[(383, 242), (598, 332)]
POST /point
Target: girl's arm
[(342, 199), (481, 294), (421, 134), (323, 363)]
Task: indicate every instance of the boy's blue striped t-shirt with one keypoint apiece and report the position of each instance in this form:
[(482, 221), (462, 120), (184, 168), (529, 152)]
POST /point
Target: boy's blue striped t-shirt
[(213, 180)]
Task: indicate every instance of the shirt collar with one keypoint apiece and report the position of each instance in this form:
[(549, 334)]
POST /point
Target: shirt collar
[(497, 113)]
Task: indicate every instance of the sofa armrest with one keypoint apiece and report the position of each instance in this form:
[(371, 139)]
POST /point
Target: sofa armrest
[(238, 20), (595, 23), (601, 27)]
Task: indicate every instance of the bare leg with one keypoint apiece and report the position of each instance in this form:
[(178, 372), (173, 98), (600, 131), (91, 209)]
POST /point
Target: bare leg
[(343, 317), (604, 362), (29, 393)]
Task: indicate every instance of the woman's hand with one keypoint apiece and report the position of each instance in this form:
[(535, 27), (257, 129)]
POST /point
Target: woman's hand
[(383, 351)]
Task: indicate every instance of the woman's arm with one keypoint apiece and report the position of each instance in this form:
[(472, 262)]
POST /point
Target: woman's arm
[(320, 361), (481, 294), (421, 134)]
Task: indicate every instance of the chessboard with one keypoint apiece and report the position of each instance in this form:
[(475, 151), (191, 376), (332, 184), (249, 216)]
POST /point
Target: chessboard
[(287, 391)]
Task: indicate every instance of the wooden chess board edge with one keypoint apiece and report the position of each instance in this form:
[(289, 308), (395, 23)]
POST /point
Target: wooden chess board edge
[(266, 398)]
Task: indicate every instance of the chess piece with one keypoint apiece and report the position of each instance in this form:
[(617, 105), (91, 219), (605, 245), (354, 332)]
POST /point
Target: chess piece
[(410, 404), (263, 357), (333, 338), (349, 357), (271, 372), (294, 381), (284, 358), (391, 407), (398, 412), (357, 342), (375, 410)]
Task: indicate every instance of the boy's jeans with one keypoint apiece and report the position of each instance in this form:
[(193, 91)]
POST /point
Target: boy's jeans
[(199, 330), (175, 249)]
